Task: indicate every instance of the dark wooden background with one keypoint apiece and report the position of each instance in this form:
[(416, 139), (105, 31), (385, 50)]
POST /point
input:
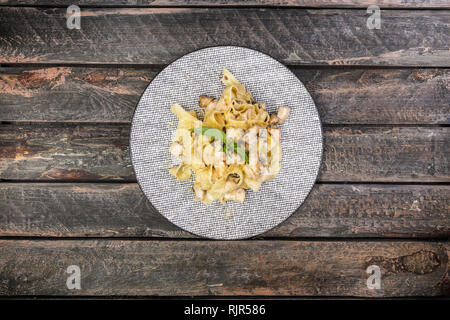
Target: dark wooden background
[(68, 194)]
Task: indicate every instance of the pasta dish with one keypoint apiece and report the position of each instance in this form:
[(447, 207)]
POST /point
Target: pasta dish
[(230, 146)]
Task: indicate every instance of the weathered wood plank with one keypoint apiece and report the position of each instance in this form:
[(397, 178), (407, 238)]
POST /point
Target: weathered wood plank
[(71, 93), (122, 210), (357, 96), (225, 3), (223, 268), (158, 36), (386, 154), (101, 152), (65, 152)]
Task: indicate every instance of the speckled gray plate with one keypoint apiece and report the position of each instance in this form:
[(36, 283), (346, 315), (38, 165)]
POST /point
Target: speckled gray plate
[(198, 73)]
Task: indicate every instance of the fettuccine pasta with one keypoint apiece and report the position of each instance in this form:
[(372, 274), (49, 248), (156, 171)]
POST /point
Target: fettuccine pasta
[(232, 145)]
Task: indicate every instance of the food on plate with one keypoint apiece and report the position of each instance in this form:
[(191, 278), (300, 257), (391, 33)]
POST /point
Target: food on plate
[(231, 145)]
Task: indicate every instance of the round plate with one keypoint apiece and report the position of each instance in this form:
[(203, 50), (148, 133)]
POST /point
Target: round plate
[(199, 73)]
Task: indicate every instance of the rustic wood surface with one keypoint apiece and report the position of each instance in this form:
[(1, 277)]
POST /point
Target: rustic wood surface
[(355, 96), (121, 210), (219, 3), (158, 36), (67, 184), (89, 152), (224, 268)]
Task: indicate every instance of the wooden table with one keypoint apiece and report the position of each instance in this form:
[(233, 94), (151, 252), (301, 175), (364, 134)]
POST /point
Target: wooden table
[(68, 194)]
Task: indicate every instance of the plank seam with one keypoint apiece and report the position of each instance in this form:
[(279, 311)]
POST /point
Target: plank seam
[(254, 239), (299, 7), (158, 67)]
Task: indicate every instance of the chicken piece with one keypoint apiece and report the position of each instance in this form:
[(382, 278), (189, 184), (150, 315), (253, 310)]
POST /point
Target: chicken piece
[(199, 192), (235, 133), (282, 114), (234, 158), (205, 101), (213, 154), (219, 159), (275, 137), (219, 155), (236, 195), (220, 106), (266, 174), (263, 147), (176, 149), (251, 140), (253, 172), (230, 186), (208, 155), (275, 133), (254, 130), (251, 133)]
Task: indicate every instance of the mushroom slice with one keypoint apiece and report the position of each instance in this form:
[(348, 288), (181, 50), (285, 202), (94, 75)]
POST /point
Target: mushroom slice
[(204, 101), (176, 149), (199, 192), (273, 119), (282, 114)]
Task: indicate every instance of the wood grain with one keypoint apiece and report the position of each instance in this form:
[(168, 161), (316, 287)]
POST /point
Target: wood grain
[(386, 154), (49, 152), (357, 96), (225, 3), (61, 152), (122, 210), (158, 36), (223, 268)]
